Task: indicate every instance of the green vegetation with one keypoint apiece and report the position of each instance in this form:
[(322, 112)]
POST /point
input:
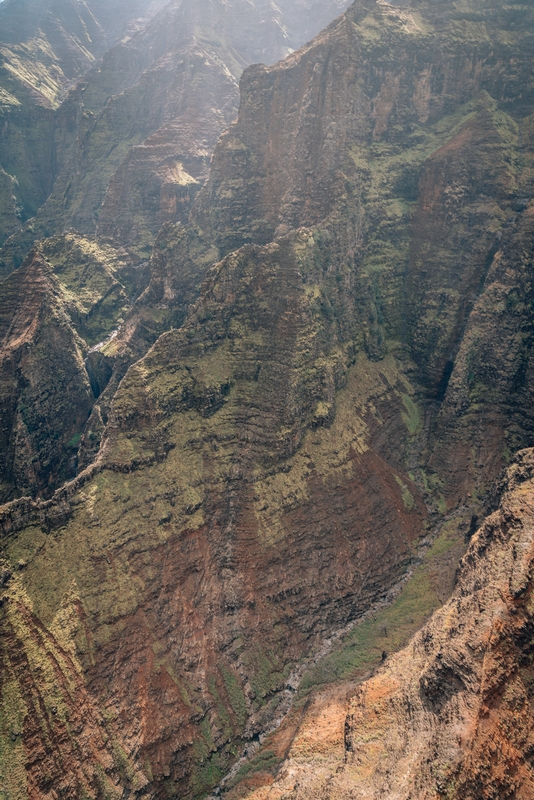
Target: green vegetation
[(412, 417), (407, 496), (95, 280), (263, 761), (267, 672), (236, 697), (390, 628), (12, 755)]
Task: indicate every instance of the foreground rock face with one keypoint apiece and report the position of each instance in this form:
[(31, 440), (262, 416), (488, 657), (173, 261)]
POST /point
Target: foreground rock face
[(450, 716), (232, 520)]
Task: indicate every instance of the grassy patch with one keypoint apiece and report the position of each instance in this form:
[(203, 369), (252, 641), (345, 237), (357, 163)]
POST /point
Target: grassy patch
[(264, 761), (391, 628), (236, 697), (411, 417), (407, 496)]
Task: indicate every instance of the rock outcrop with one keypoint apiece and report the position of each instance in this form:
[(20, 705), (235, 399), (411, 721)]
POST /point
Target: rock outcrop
[(46, 397), (55, 313), (451, 715), (131, 144), (44, 48)]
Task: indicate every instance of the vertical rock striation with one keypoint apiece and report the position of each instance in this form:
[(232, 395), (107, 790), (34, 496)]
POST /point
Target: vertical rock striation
[(266, 469), (451, 715)]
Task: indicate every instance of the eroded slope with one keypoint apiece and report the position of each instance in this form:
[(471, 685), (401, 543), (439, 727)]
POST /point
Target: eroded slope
[(265, 472), (451, 715), (225, 469)]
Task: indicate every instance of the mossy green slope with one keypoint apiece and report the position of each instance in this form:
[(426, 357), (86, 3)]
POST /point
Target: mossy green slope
[(225, 469)]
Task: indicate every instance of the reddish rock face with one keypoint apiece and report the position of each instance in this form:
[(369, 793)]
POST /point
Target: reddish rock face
[(191, 598), (264, 472), (450, 716)]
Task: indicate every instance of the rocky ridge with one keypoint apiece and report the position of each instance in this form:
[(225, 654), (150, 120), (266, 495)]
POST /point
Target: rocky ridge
[(44, 48), (255, 425), (451, 715), (266, 470), (131, 143), (69, 295)]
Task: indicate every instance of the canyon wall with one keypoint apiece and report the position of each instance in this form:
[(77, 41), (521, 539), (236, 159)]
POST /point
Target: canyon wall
[(328, 358), (451, 715)]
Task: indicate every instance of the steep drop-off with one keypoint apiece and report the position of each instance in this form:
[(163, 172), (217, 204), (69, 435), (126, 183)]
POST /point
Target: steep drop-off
[(451, 715), (131, 144), (265, 473), (416, 175), (56, 311), (225, 469), (44, 48)]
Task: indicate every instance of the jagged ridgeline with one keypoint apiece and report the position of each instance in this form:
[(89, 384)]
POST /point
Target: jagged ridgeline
[(272, 376), (45, 47), (123, 143)]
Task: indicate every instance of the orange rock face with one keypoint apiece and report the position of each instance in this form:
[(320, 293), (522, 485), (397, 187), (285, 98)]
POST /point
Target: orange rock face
[(451, 715)]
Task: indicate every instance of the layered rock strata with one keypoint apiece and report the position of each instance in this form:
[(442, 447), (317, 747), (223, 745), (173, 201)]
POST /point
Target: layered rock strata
[(263, 473), (131, 144), (45, 391), (417, 176), (451, 715), (44, 48), (55, 312), (225, 469)]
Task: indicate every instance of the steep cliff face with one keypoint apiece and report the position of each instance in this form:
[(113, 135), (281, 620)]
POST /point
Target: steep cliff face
[(9, 212), (225, 468), (264, 474), (486, 414), (387, 96), (44, 48), (419, 173), (450, 716), (45, 391), (68, 297), (138, 135)]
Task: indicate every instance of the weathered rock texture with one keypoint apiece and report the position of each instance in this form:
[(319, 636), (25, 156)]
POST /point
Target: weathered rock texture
[(225, 469), (131, 144), (260, 474), (66, 298), (44, 48), (451, 715), (416, 173), (45, 390)]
